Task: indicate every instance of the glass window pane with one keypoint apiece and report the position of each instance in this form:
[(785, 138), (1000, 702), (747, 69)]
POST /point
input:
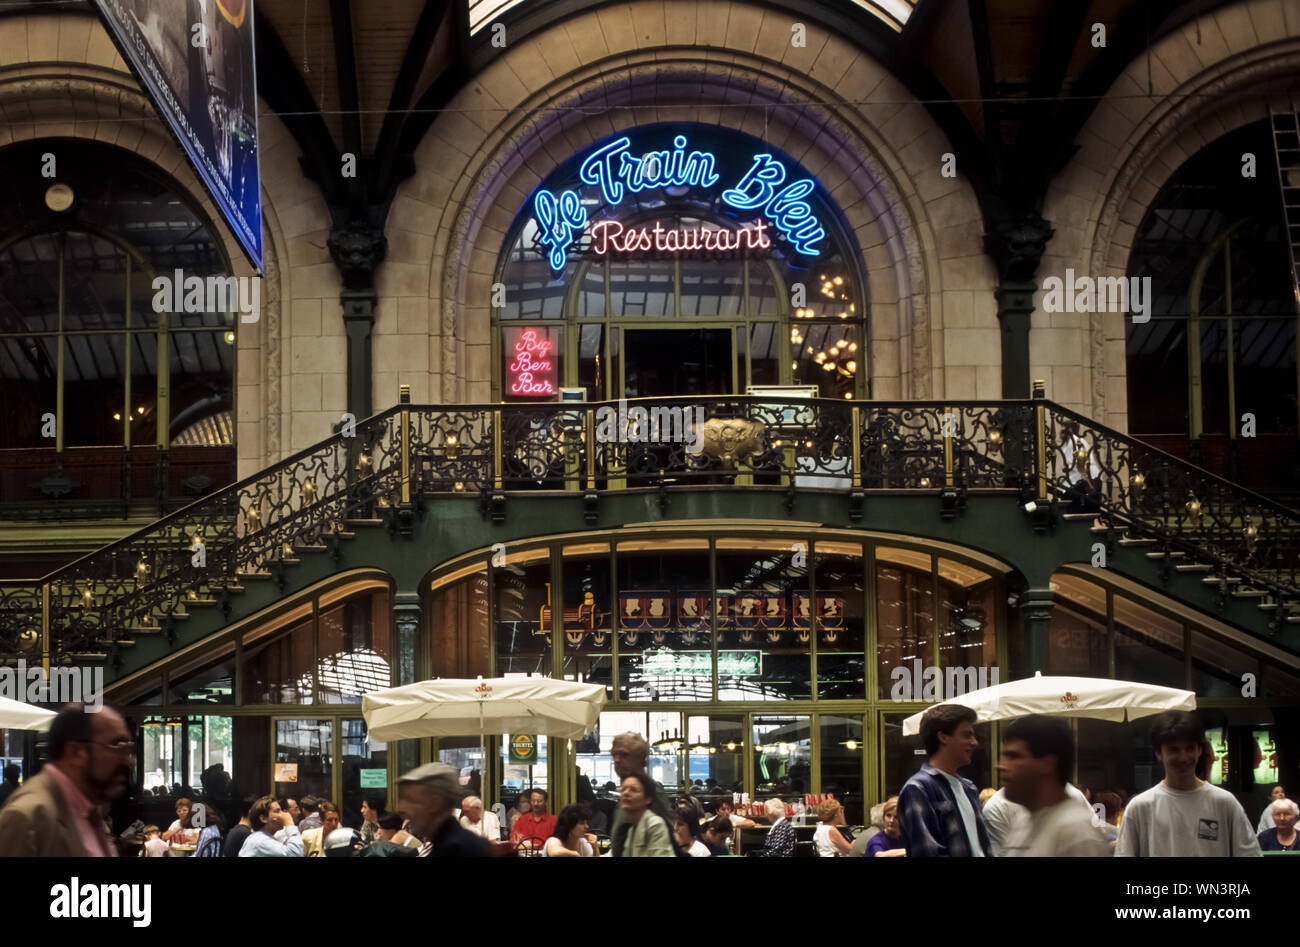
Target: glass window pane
[(280, 672), (756, 582), (765, 353), (841, 754), (533, 289), (827, 355), (213, 683), (458, 614), (160, 755), (716, 755), (516, 777), (29, 285), (591, 295), (1157, 375), (354, 649), (764, 291), (588, 637), (1116, 756), (304, 751), (665, 759), (523, 639), (642, 288), (201, 373), (1148, 647), (1279, 682), (93, 390), (593, 371), (712, 288), (664, 621), (360, 754), (966, 629), (782, 758), (28, 390), (1077, 646), (904, 617), (212, 752), (94, 278), (841, 630)]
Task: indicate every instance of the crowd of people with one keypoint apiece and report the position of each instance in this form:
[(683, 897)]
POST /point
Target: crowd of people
[(938, 813)]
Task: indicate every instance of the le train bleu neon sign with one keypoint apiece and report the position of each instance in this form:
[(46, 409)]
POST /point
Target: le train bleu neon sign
[(561, 218)]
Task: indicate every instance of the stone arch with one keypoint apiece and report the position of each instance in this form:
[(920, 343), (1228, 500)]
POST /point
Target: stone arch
[(498, 139), (1247, 60)]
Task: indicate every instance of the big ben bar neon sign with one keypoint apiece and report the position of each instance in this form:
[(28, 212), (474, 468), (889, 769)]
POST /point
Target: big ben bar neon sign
[(562, 219)]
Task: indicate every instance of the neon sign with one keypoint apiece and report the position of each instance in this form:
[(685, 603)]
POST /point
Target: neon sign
[(532, 373), (561, 219), (610, 235)]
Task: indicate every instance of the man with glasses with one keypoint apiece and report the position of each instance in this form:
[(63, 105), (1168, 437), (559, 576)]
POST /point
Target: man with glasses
[(57, 813)]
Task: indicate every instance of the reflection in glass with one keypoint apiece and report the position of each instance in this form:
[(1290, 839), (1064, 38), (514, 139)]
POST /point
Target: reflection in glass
[(354, 649), (761, 655), (716, 747), (213, 683), (1148, 646), (838, 617), (280, 672), (842, 757), (523, 640), (782, 757), (665, 641), (904, 616), (359, 755), (304, 761), (587, 619)]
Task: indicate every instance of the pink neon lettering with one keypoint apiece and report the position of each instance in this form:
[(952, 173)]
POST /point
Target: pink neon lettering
[(609, 236), (531, 361)]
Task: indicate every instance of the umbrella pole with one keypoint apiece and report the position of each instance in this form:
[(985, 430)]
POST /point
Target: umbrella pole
[(482, 745)]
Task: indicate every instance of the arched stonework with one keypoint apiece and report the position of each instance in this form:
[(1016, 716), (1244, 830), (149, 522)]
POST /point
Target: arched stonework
[(1248, 59), (554, 94)]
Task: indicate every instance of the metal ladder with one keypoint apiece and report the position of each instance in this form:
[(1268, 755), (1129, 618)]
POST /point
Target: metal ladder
[(1286, 149)]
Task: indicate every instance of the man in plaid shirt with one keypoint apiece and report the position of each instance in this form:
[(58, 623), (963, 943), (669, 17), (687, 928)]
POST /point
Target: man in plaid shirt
[(939, 811)]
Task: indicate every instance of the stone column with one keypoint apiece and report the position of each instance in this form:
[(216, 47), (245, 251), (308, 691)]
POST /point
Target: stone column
[(1016, 243)]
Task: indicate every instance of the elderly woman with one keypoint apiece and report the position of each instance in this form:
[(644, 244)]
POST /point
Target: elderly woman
[(828, 840), (1282, 837), (1266, 817), (642, 833), (780, 841), (888, 843)]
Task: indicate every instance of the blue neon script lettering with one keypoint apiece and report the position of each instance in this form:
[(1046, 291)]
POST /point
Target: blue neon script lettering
[(790, 214), (613, 168), (559, 219)]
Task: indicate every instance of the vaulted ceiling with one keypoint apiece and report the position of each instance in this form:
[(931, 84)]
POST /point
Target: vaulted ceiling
[(1010, 81)]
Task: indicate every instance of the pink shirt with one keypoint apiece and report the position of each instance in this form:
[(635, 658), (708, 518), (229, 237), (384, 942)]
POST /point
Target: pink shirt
[(85, 816)]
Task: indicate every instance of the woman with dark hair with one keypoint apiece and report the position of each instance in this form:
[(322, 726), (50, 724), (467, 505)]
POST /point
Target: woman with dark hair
[(645, 835), (570, 838), (687, 832)]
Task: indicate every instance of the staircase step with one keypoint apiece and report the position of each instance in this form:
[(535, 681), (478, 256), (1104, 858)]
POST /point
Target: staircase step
[(255, 576), (108, 642), (1248, 593), (1130, 541), (1078, 517), (88, 657), (1215, 580), (363, 522), (310, 547), (1192, 567), (144, 630), (1175, 554)]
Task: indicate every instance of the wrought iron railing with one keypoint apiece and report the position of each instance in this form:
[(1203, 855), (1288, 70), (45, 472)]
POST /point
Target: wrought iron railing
[(394, 462)]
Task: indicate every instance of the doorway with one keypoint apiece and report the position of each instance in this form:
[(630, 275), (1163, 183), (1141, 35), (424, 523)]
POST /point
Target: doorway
[(667, 362)]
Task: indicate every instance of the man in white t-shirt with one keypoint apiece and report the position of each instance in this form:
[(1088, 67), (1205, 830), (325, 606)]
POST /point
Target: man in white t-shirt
[(1037, 756), (1183, 815), (1008, 822)]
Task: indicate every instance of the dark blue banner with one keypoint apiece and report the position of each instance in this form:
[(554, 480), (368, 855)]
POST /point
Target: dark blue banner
[(195, 60)]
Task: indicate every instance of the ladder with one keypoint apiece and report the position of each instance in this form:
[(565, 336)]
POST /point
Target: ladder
[(1286, 149)]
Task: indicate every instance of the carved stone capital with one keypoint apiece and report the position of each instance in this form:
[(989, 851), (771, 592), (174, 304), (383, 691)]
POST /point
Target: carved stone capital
[(1017, 243), (357, 249)]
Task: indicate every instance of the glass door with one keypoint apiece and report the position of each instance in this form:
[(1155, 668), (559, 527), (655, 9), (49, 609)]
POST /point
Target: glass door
[(667, 362)]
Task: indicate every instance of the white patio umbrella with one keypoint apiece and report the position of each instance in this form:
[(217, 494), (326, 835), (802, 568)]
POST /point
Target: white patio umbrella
[(17, 715), (1094, 697), (449, 708)]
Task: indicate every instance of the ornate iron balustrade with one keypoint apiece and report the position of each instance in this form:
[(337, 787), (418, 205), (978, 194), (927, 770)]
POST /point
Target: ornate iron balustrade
[(409, 454)]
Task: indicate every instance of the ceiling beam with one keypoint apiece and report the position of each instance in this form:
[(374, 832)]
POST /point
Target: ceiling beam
[(393, 166), (282, 87), (345, 60)]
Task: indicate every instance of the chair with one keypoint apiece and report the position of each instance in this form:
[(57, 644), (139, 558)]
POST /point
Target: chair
[(528, 848)]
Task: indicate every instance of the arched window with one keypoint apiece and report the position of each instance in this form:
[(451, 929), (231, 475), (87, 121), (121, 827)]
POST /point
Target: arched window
[(1220, 343), (81, 344), (86, 358), (670, 289)]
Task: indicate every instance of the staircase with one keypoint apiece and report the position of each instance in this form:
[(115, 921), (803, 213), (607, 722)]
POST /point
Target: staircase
[(241, 549)]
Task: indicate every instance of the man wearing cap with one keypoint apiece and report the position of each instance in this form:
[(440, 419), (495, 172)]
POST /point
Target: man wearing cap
[(429, 796)]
